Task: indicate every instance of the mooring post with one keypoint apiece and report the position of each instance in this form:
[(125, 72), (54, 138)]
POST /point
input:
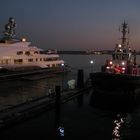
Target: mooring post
[(80, 100), (57, 106), (58, 125), (80, 79)]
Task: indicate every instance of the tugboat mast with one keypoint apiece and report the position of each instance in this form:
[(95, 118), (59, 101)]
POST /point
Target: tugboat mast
[(125, 32)]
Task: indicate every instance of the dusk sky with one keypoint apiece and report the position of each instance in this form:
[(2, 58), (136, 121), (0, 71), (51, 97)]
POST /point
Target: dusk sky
[(73, 24)]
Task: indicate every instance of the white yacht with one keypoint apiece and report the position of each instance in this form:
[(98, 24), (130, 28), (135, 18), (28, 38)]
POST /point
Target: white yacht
[(19, 54)]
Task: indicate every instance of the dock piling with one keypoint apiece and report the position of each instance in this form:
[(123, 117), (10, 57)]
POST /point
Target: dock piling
[(58, 125), (57, 106), (80, 79)]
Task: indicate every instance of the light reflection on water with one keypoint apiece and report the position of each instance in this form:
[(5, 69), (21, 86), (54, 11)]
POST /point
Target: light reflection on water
[(118, 124), (19, 91), (122, 125)]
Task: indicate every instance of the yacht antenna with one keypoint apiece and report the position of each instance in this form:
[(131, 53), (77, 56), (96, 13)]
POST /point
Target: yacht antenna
[(10, 28)]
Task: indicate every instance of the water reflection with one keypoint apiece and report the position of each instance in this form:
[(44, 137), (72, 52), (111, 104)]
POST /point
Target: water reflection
[(113, 100), (19, 91), (120, 103), (122, 125), (80, 100), (118, 122)]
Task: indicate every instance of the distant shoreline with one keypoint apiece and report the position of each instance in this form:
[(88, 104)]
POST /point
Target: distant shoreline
[(109, 52), (84, 52)]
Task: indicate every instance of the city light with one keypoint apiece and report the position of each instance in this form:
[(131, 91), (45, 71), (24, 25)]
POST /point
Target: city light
[(91, 62)]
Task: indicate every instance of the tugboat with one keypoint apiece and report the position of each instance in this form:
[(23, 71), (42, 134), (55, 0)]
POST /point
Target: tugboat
[(19, 58), (122, 71)]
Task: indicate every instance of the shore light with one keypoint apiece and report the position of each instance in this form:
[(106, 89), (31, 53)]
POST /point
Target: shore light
[(91, 62)]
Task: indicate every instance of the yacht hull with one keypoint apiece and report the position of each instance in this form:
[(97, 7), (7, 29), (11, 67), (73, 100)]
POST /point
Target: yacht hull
[(29, 74)]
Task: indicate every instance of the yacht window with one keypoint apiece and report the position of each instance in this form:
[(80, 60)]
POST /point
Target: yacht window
[(55, 58), (30, 60), (19, 52), (5, 61), (49, 59), (53, 65), (27, 53), (18, 61), (36, 52)]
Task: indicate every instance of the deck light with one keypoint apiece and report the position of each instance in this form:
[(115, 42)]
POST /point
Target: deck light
[(123, 63), (119, 45), (23, 39), (110, 62), (107, 67), (62, 64), (91, 62)]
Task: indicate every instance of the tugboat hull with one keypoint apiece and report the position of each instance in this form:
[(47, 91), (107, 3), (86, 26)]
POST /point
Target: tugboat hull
[(115, 81)]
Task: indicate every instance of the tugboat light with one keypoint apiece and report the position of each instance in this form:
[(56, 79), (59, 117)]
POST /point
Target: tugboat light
[(119, 45), (120, 50), (110, 62), (107, 67), (123, 63)]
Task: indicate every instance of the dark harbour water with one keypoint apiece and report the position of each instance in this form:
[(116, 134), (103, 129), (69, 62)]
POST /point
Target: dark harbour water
[(99, 116), (82, 118)]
